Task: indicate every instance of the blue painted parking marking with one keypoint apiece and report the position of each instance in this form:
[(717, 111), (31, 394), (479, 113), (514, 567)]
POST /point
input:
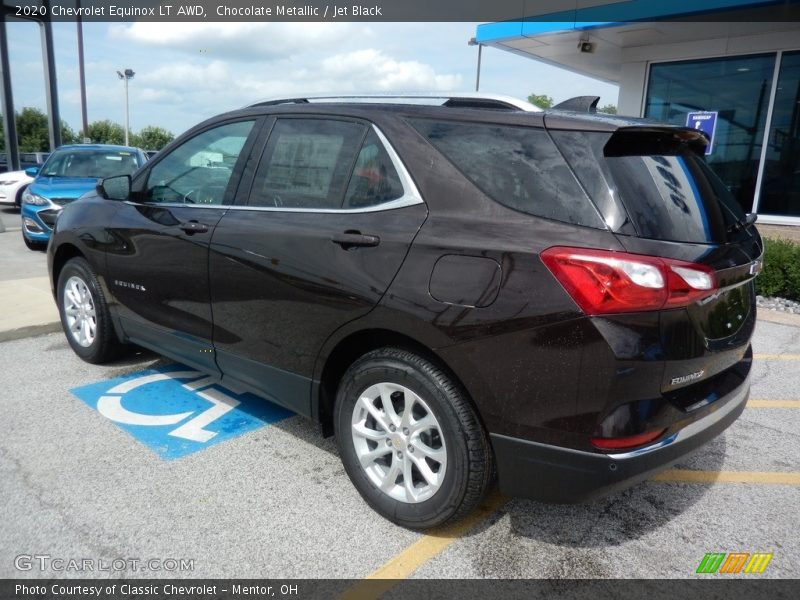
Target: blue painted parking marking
[(176, 411)]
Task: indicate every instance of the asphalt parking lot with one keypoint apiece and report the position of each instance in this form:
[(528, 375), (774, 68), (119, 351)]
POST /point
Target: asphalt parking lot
[(266, 495), (9, 218)]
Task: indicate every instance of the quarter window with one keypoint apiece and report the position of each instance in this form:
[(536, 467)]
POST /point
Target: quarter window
[(374, 180), (518, 167), (199, 170)]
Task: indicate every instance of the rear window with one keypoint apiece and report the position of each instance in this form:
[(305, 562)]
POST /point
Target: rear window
[(518, 167), (664, 190)]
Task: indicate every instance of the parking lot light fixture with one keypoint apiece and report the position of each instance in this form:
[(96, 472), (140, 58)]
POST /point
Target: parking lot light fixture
[(126, 75)]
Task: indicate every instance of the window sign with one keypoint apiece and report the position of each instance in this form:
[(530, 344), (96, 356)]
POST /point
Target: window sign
[(706, 122)]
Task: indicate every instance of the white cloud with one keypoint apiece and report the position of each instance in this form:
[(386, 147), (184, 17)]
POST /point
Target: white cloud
[(219, 85), (240, 41), (372, 70), (186, 72)]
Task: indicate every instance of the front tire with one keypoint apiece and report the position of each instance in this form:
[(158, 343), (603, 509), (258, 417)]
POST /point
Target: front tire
[(32, 245), (410, 439), (84, 313)]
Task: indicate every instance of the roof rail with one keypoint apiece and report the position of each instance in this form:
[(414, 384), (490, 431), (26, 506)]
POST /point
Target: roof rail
[(453, 100), (579, 104)]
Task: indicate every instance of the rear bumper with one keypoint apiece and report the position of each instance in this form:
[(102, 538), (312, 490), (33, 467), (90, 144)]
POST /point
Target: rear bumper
[(555, 474)]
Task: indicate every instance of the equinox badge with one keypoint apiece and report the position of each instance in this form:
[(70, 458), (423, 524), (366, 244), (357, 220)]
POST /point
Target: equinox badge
[(687, 378)]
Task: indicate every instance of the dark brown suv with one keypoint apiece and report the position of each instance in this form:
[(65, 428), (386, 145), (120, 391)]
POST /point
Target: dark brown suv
[(454, 287)]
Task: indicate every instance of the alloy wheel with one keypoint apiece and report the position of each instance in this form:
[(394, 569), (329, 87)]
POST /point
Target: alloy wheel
[(399, 442), (79, 310)]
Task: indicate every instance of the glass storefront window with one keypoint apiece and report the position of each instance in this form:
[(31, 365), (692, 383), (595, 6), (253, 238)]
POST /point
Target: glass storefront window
[(780, 188), (738, 88)]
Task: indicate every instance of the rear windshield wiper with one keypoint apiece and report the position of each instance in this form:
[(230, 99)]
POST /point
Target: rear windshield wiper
[(740, 224)]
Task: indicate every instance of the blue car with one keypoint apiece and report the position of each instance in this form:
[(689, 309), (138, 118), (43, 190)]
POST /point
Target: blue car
[(69, 173)]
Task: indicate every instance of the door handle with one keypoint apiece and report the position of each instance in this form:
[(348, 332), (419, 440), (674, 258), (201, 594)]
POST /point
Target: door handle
[(192, 227), (355, 239)]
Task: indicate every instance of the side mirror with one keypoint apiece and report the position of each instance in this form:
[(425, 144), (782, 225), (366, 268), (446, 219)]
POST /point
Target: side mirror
[(32, 171), (115, 188)]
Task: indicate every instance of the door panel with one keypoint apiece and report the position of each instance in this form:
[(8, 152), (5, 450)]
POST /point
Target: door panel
[(157, 273), (280, 286), (158, 265)]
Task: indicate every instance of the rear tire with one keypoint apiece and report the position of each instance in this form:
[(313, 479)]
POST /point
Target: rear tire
[(84, 313), (410, 440)]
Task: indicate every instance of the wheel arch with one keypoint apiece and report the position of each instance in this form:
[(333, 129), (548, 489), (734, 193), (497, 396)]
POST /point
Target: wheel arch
[(62, 255), (18, 196), (348, 350)]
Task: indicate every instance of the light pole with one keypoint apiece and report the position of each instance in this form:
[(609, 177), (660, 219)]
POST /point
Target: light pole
[(126, 75), (82, 79), (474, 42)]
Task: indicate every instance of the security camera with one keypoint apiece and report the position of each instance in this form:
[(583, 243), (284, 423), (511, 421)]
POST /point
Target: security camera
[(585, 46)]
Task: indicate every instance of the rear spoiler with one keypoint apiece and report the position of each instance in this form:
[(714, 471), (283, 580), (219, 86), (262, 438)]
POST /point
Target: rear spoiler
[(579, 104), (655, 141)]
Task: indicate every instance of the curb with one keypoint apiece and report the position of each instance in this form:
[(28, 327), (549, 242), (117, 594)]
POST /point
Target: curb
[(30, 331), (774, 316)]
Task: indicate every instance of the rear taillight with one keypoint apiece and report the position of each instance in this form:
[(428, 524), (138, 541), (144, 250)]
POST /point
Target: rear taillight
[(602, 281), (631, 441)]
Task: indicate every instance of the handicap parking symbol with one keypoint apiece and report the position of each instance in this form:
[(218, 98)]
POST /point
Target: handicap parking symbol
[(176, 411)]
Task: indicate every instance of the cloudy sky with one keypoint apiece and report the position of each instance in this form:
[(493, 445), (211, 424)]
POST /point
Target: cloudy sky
[(187, 72)]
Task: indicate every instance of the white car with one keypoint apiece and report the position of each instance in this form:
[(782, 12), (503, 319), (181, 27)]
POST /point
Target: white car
[(12, 185)]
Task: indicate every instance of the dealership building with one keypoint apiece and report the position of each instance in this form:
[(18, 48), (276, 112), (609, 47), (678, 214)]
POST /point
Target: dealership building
[(732, 74)]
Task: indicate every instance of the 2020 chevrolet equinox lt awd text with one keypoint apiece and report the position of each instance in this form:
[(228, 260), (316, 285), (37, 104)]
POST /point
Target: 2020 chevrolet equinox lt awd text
[(458, 288)]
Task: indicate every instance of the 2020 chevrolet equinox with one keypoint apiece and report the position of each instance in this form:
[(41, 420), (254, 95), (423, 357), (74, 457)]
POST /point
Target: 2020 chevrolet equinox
[(459, 288)]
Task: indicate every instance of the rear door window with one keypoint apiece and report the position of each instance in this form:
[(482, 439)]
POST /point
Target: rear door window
[(307, 164), (518, 167)]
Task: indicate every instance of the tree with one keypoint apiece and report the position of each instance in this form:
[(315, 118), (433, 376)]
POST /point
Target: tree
[(32, 132), (68, 136), (152, 138), (541, 100), (106, 132), (608, 108)]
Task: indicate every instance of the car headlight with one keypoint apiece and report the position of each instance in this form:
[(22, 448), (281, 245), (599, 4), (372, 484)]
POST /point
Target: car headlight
[(29, 197)]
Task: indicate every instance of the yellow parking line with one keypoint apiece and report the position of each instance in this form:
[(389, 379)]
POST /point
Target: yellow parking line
[(773, 404), (776, 356), (412, 558), (436, 541), (691, 476)]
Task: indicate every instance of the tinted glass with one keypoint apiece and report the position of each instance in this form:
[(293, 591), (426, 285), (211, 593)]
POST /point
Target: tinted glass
[(90, 163), (780, 190), (199, 170), (307, 164), (518, 167), (374, 179), (671, 196), (738, 89)]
